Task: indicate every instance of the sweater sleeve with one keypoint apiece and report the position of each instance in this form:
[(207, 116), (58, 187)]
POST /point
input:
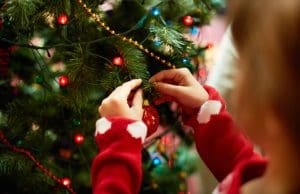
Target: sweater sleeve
[(117, 167), (219, 140)]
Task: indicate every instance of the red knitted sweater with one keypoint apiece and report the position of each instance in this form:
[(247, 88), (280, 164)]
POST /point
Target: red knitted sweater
[(227, 153)]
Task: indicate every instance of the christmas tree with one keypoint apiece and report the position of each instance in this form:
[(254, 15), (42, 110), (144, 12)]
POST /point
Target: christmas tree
[(60, 58)]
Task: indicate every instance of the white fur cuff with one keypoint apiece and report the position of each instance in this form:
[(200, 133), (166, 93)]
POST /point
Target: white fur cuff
[(136, 129), (210, 107), (102, 125)]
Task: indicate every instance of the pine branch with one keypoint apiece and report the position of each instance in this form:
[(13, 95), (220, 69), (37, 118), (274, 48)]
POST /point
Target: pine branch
[(169, 36), (21, 12), (14, 164)]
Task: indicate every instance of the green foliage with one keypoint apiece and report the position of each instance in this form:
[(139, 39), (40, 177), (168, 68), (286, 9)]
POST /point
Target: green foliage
[(14, 164), (15, 170), (21, 11)]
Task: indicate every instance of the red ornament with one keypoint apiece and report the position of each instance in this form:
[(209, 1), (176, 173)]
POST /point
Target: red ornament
[(78, 138), (62, 19), (188, 20), (118, 61), (66, 182), (63, 80), (151, 119)]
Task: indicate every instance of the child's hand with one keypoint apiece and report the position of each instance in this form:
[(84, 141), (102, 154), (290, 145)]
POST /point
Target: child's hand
[(182, 86), (116, 103)]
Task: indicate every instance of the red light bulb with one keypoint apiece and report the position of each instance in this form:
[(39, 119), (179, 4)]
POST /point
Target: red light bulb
[(62, 19), (118, 61), (78, 138), (66, 181), (63, 80), (209, 46), (202, 73), (188, 20)]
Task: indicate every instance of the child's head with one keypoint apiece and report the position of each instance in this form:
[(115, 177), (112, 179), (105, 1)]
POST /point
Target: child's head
[(267, 37)]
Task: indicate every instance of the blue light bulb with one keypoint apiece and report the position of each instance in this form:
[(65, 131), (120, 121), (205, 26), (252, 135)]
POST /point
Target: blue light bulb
[(186, 60), (157, 42), (194, 30), (155, 11), (156, 161)]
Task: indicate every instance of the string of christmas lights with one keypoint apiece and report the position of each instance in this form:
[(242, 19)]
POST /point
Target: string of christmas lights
[(124, 38), (65, 182)]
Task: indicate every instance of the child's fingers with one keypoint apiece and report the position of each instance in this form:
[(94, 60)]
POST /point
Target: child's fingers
[(164, 75), (167, 89), (175, 75), (137, 102)]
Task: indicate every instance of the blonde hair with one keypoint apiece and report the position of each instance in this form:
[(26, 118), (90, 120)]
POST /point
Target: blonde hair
[(267, 36)]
